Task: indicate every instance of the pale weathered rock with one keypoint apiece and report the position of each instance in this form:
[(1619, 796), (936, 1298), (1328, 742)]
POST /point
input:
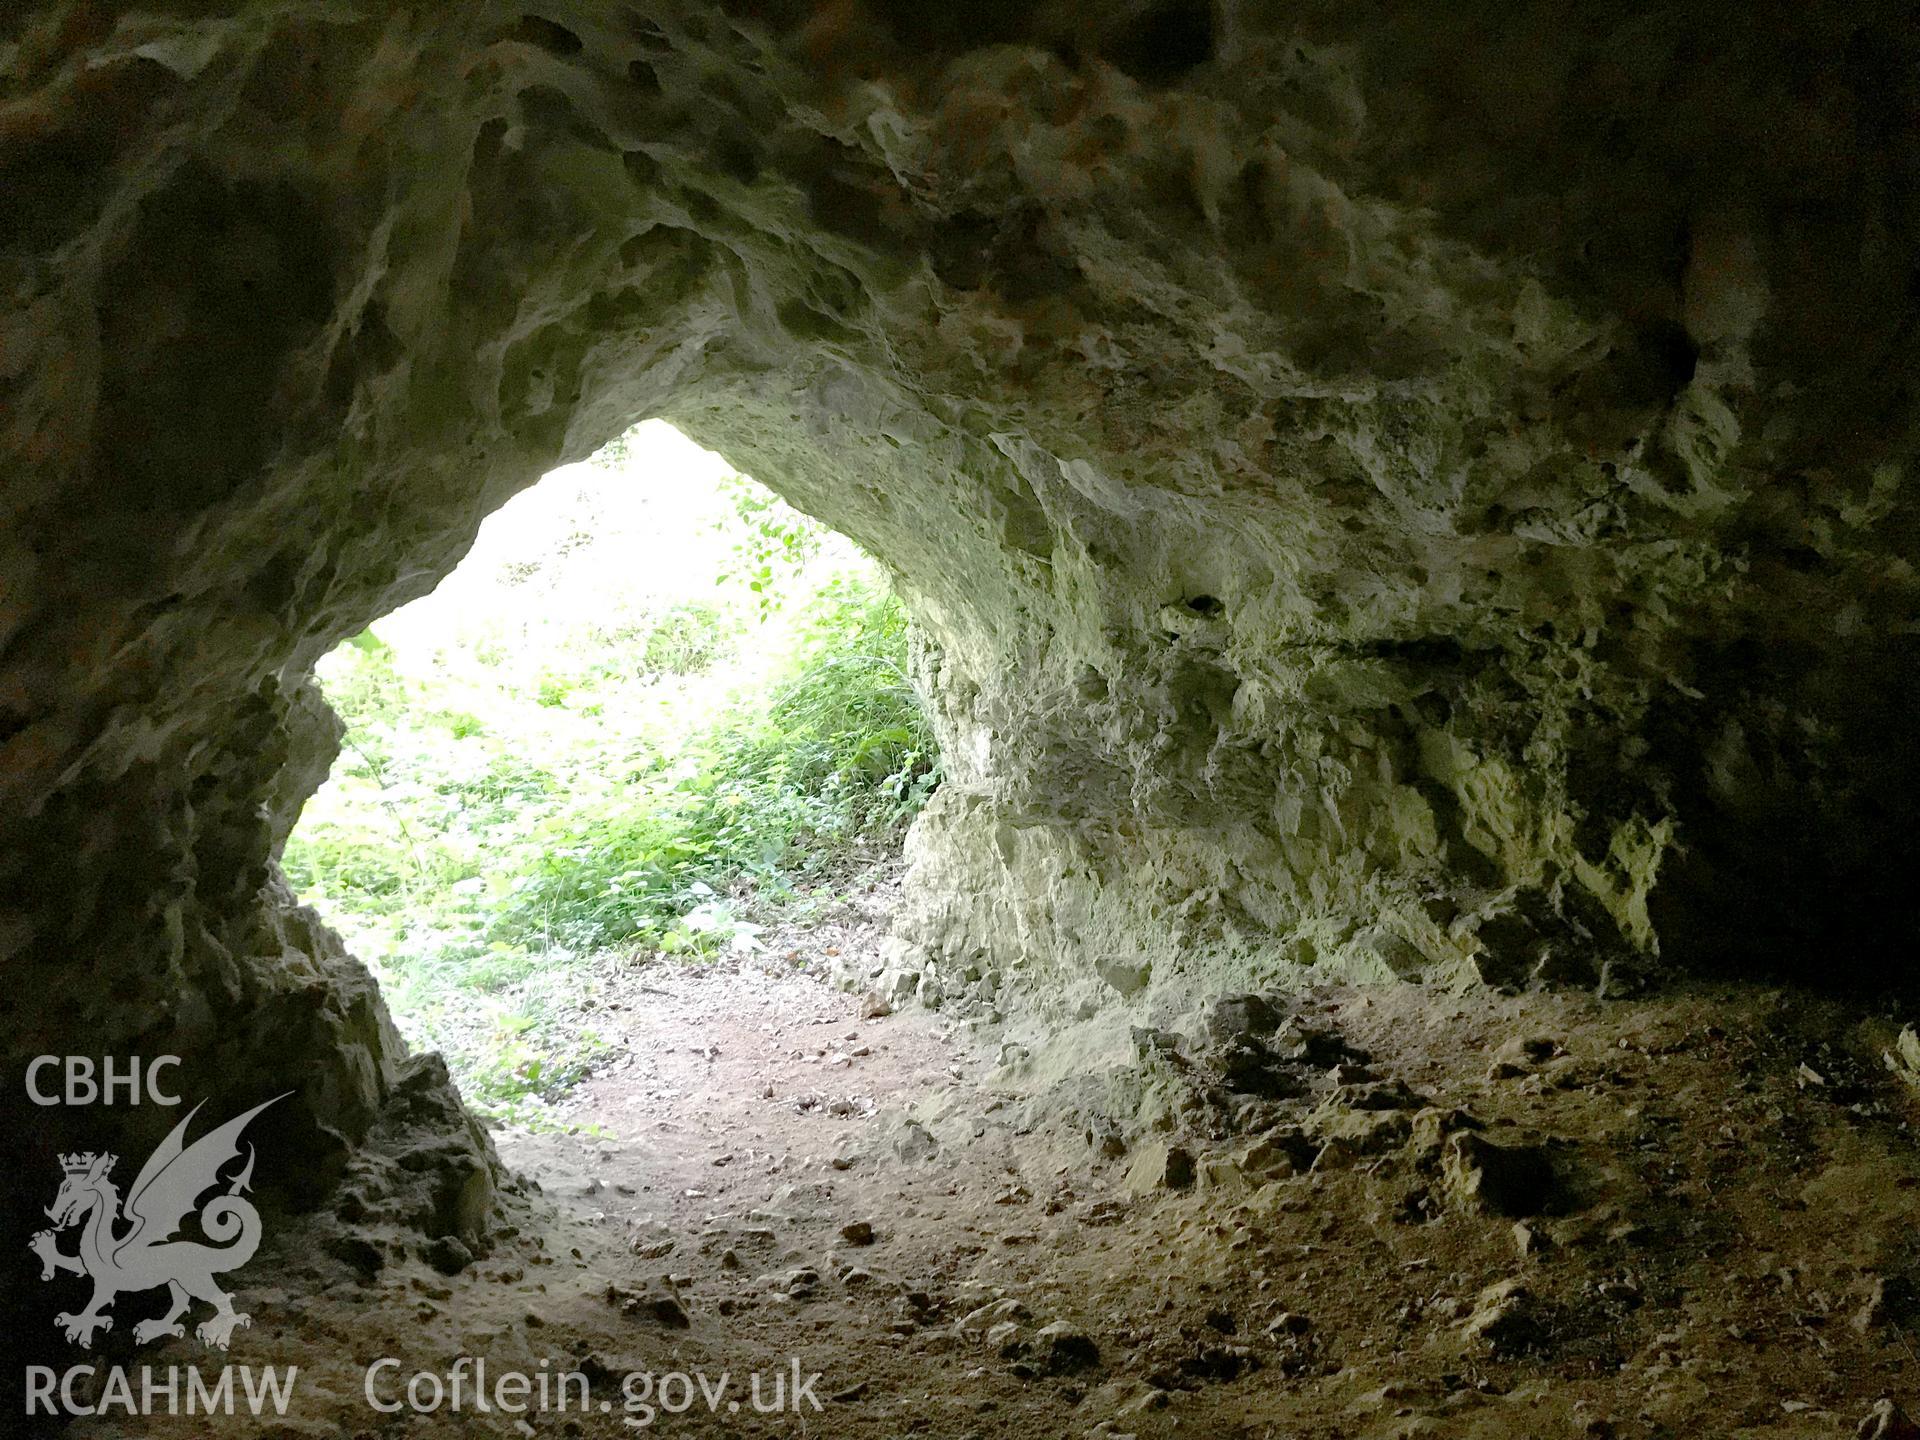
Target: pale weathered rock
[(976, 1323), (1129, 977), (1904, 1058), (1503, 1318), (1433, 1126), (1887, 1421)]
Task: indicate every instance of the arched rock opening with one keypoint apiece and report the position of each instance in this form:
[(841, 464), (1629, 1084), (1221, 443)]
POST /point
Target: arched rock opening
[(1405, 493)]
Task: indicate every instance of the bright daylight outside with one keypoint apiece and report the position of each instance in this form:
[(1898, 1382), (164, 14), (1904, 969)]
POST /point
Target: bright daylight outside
[(654, 712)]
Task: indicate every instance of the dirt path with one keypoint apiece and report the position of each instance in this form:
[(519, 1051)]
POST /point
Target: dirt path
[(773, 1151), (1362, 1216), (1718, 1235)]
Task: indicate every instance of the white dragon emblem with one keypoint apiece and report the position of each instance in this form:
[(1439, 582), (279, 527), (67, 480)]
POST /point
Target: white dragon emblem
[(145, 1256)]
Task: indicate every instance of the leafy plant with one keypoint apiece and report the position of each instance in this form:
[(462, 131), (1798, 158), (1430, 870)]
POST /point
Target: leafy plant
[(652, 779), (686, 639), (771, 542), (837, 751)]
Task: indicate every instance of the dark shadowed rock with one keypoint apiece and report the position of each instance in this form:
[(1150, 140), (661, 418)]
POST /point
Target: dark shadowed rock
[(448, 1255), (1179, 1171), (1241, 1017), (1515, 1181), (1064, 1348)]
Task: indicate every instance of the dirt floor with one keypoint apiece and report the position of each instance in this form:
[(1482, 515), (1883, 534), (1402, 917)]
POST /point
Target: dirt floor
[(1363, 1214)]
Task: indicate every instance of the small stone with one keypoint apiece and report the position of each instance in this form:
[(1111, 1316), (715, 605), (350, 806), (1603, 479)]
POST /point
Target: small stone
[(975, 1323), (1234, 1017), (1528, 1049), (1872, 1315), (857, 1232), (1063, 1348), (654, 1303), (875, 1006), (668, 1310), (1289, 1322), (800, 1283), (1433, 1127), (915, 1143), (1502, 1317), (1904, 1058), (1887, 1421), (449, 1255), (1248, 1067), (1510, 1180)]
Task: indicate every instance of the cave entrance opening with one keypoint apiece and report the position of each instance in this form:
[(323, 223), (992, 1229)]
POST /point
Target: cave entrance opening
[(655, 715)]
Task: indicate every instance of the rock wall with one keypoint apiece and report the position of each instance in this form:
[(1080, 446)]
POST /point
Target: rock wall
[(1420, 490)]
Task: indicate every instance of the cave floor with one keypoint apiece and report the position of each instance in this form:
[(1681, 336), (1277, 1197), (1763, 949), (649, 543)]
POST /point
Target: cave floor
[(1724, 1242)]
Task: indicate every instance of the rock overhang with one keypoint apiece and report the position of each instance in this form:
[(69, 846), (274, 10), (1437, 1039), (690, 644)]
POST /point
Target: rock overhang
[(1413, 493)]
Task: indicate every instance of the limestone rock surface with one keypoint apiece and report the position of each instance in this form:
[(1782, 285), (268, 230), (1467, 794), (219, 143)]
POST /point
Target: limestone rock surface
[(1415, 490)]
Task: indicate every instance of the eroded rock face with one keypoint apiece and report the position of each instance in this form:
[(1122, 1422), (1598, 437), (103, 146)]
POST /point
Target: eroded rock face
[(1406, 489)]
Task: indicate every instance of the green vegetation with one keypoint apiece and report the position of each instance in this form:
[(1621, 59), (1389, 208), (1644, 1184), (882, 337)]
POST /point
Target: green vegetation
[(545, 792)]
